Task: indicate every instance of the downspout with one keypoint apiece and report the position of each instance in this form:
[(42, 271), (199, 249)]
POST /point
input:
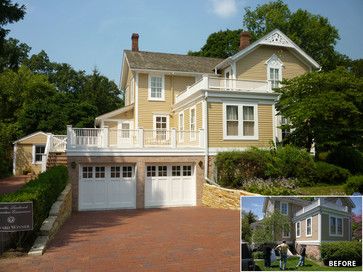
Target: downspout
[(206, 144)]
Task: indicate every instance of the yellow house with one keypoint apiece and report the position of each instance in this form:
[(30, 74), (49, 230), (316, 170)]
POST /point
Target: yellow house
[(180, 111), (33, 152)]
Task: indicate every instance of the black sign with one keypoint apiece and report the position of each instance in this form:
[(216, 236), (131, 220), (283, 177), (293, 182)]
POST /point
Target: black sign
[(16, 216)]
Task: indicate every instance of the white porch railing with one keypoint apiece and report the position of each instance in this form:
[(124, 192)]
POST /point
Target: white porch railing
[(223, 84), (85, 138), (58, 143), (322, 203)]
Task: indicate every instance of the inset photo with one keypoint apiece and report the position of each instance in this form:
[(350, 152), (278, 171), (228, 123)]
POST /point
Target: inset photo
[(295, 233)]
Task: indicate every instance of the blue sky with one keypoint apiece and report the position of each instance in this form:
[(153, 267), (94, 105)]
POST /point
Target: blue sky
[(93, 33), (255, 204)]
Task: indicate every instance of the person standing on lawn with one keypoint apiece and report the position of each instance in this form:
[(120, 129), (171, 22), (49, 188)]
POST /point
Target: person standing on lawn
[(283, 248), (267, 256), (302, 256)]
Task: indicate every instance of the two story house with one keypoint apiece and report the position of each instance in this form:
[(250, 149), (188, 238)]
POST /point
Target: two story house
[(180, 111), (321, 219)]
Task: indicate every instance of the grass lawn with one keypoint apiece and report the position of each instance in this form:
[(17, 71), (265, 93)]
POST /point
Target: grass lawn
[(322, 189), (309, 266)]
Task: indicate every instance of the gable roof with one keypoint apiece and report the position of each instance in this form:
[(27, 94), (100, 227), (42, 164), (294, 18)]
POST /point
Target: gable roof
[(144, 60), (31, 135), (274, 38), (113, 113)]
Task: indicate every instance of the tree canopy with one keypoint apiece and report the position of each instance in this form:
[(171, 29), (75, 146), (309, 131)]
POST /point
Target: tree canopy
[(9, 13), (323, 107), (313, 33)]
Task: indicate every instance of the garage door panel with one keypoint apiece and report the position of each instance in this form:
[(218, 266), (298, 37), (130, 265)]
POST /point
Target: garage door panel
[(106, 192), (171, 190)]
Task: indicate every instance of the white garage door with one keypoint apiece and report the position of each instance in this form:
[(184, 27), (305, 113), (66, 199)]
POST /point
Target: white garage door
[(107, 187), (170, 186)]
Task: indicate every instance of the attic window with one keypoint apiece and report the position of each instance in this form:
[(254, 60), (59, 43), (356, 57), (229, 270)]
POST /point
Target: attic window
[(274, 71)]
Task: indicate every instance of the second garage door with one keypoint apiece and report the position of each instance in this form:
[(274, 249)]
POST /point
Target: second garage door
[(170, 185)]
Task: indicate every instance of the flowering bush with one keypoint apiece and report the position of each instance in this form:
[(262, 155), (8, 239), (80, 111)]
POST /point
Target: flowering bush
[(279, 186)]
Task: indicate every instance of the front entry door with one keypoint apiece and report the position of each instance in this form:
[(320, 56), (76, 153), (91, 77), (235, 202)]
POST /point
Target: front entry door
[(125, 134)]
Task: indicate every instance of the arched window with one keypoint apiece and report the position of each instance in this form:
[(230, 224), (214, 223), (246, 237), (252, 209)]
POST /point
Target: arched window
[(274, 71)]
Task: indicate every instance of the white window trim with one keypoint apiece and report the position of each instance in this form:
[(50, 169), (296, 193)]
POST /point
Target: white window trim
[(132, 91), (298, 223), (167, 124), (181, 127), (162, 87), (240, 121), (306, 227), (193, 133), (287, 204), (33, 153), (336, 226), (276, 63)]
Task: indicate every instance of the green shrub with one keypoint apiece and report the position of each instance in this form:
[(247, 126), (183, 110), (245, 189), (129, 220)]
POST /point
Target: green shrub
[(234, 167), (293, 162), (348, 158), (329, 173), (43, 192), (258, 255), (354, 184), (342, 250)]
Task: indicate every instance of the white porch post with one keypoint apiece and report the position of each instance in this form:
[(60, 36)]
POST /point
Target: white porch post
[(201, 137), (141, 137), (70, 139), (104, 136), (173, 138)]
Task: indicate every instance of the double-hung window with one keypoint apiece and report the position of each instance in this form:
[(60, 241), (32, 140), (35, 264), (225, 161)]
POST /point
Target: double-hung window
[(335, 226), (274, 71), (38, 153), (161, 124), (274, 77), (181, 127), (156, 87), (240, 122), (298, 229), (284, 208)]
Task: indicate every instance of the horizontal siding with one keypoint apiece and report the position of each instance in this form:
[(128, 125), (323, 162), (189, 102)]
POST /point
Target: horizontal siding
[(24, 157), (173, 84), (315, 230), (36, 139), (199, 115), (215, 128), (253, 66)]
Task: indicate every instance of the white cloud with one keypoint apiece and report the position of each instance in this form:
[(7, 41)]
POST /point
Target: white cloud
[(224, 8)]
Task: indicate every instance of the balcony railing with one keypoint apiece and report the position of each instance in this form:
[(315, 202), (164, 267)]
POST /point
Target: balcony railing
[(93, 138), (223, 84), (322, 203)]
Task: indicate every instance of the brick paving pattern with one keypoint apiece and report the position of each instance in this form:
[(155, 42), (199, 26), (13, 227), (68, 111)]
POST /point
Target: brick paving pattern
[(175, 239), (11, 184)]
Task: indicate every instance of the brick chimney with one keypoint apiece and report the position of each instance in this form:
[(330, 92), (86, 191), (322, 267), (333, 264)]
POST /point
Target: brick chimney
[(244, 40), (135, 42)]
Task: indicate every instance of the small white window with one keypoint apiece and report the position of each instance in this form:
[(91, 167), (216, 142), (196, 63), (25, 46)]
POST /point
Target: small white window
[(87, 172), (99, 172), (248, 121), (309, 226), (298, 229), (274, 77), (125, 130), (162, 171), (38, 153), (151, 171), (127, 172), (274, 71), (175, 171), (232, 120), (187, 170), (284, 208), (156, 87), (181, 127), (115, 171), (193, 127)]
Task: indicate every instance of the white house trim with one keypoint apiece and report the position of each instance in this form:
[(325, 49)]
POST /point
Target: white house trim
[(193, 133), (162, 76), (137, 101), (14, 158), (298, 222), (181, 128)]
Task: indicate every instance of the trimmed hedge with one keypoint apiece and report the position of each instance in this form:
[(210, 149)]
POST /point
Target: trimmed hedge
[(43, 192), (354, 185), (341, 251), (329, 173), (348, 158)]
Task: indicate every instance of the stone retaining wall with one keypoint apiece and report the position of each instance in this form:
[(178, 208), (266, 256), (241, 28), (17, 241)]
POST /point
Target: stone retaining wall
[(58, 214), (218, 197)]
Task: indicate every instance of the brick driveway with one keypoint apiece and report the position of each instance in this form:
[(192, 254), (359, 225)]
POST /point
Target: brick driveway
[(177, 239), (12, 184)]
